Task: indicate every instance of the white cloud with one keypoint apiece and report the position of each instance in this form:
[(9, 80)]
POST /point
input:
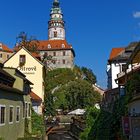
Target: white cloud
[(136, 14)]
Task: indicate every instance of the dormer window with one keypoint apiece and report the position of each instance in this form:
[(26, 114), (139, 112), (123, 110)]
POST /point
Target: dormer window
[(49, 46), (63, 46)]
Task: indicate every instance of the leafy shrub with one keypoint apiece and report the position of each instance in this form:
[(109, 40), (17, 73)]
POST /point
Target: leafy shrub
[(38, 126)]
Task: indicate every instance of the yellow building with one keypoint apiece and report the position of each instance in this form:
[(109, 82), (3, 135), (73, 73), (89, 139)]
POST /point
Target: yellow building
[(34, 70)]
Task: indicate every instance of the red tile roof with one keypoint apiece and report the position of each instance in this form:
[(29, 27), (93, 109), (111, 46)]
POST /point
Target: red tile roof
[(49, 45), (53, 45), (6, 49), (34, 96), (115, 52), (34, 54)]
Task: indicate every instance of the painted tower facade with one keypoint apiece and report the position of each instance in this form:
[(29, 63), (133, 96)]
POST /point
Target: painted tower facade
[(56, 29), (56, 46)]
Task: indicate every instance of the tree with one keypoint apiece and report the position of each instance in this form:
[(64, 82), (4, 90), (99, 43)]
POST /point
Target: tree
[(30, 43), (89, 75), (76, 94), (92, 114)]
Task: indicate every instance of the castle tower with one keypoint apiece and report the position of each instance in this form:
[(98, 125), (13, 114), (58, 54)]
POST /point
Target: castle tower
[(56, 29)]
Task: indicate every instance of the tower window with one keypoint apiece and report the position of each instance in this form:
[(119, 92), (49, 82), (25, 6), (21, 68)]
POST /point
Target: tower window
[(54, 53), (64, 62), (64, 53), (55, 34)]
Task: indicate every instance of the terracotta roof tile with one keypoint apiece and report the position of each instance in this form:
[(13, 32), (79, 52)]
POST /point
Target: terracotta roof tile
[(34, 96), (5, 48), (54, 45), (115, 52), (34, 54)]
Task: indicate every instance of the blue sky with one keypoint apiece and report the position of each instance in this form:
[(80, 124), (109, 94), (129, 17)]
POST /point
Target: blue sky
[(93, 27)]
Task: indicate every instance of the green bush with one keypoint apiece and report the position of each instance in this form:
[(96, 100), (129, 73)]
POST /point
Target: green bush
[(38, 126)]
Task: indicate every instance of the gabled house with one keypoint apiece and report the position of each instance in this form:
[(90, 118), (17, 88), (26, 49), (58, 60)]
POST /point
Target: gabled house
[(26, 63), (15, 104), (117, 64)]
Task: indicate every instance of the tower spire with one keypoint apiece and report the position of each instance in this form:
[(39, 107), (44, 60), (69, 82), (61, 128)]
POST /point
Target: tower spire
[(56, 4), (56, 29)]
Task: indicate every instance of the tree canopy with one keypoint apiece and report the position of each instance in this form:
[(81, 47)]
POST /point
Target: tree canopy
[(76, 94), (89, 75), (30, 43)]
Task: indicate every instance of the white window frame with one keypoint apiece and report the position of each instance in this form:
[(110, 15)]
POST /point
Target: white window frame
[(12, 116), (16, 114), (2, 124)]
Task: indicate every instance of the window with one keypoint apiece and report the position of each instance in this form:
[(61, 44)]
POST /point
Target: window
[(54, 53), (64, 53), (26, 110), (64, 61), (22, 60), (8, 56), (2, 114), (54, 61), (55, 34), (17, 113), (123, 67), (29, 110), (0, 55), (11, 114), (26, 89)]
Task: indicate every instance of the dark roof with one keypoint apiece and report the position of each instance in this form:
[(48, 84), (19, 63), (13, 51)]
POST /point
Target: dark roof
[(20, 74), (126, 53), (11, 89), (2, 72), (134, 53)]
